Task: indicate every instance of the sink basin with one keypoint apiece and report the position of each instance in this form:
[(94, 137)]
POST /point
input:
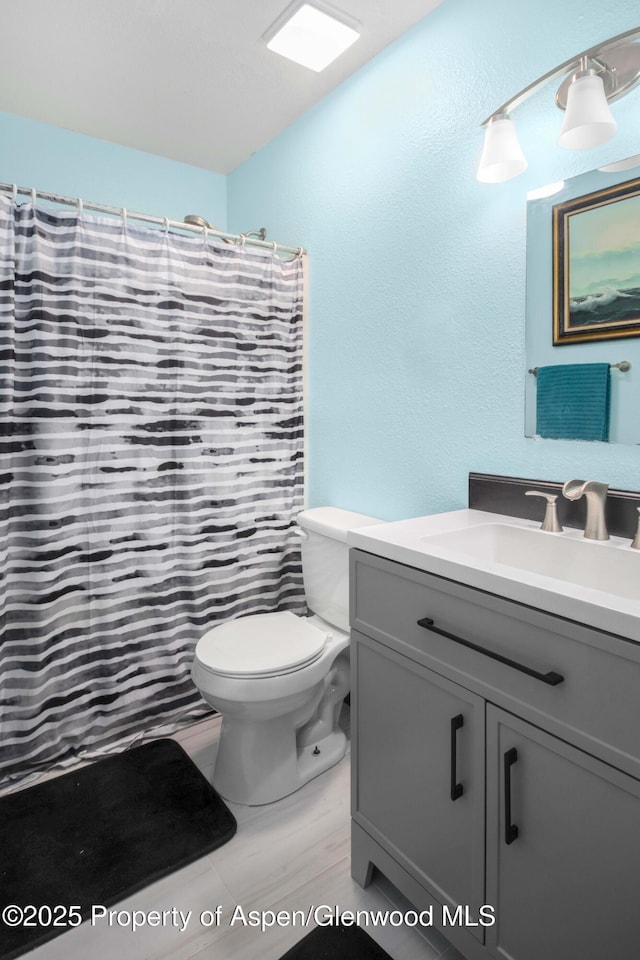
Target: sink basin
[(596, 583), (585, 563)]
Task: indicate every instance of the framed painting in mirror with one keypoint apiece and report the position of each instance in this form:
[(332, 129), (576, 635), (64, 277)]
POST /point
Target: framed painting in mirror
[(596, 265), (606, 186)]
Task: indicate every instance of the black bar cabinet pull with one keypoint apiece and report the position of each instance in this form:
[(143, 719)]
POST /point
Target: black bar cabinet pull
[(456, 788), (551, 678), (510, 829)]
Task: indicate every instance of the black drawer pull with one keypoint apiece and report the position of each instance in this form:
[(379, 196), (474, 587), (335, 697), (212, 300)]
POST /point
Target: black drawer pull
[(510, 829), (456, 788), (551, 678)]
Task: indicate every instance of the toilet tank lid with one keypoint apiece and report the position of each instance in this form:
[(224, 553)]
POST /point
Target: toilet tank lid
[(333, 521)]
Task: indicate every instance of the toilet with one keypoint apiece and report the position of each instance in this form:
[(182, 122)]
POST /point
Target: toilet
[(279, 679)]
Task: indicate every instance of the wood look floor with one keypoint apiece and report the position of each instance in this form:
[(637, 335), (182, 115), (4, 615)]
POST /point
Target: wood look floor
[(286, 856)]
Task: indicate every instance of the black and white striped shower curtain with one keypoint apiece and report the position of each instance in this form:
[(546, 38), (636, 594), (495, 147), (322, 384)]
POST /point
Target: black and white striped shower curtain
[(151, 467)]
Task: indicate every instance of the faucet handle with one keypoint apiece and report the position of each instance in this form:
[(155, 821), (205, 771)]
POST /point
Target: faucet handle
[(550, 523)]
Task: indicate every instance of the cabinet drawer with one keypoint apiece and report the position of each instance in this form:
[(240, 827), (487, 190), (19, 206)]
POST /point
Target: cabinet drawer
[(596, 706)]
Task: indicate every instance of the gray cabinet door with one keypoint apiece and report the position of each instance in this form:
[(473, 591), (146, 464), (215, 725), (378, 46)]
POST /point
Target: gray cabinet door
[(402, 715), (567, 887)]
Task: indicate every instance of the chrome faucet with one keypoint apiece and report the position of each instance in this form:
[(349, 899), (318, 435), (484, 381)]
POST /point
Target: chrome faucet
[(596, 496)]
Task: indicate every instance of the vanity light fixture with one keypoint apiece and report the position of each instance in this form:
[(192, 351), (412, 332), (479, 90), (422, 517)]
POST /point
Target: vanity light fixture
[(502, 157), (312, 34), (592, 80)]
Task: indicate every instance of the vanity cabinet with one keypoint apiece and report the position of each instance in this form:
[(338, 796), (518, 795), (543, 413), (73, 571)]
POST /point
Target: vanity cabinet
[(496, 753)]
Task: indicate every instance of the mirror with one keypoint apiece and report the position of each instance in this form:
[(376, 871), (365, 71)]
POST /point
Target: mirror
[(583, 306)]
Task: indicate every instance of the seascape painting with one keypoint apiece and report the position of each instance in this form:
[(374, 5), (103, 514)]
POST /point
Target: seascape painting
[(597, 265)]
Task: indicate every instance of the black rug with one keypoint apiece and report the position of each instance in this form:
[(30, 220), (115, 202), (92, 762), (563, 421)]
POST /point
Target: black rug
[(102, 832), (337, 943)]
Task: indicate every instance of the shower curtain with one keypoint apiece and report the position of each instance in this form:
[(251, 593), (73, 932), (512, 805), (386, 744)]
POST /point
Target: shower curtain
[(151, 468)]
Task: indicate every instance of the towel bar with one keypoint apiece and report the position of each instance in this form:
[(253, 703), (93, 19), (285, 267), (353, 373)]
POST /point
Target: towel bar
[(623, 366)]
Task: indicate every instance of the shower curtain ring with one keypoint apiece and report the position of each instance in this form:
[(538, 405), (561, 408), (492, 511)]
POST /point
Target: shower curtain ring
[(275, 247), (124, 217), (166, 226), (33, 196), (14, 191), (80, 206)]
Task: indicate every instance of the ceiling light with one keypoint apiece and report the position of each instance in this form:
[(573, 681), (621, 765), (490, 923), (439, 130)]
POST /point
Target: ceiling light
[(312, 34), (592, 80)]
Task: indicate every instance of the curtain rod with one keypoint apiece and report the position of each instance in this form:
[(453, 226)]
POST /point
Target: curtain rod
[(236, 238)]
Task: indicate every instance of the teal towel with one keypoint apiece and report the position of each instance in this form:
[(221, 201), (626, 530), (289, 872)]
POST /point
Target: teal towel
[(572, 401)]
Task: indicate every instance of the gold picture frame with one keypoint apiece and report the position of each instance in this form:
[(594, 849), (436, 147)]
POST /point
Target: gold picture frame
[(596, 265)]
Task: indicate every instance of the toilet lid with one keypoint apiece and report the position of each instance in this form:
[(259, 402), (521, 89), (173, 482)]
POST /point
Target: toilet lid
[(262, 645)]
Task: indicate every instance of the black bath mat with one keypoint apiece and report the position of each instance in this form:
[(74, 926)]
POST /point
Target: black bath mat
[(336, 943), (102, 832)]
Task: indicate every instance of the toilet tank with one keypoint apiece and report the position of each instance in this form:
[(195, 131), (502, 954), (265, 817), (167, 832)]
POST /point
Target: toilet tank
[(325, 560)]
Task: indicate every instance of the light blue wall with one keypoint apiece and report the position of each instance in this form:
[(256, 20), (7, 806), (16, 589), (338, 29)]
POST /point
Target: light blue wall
[(38, 155), (417, 290)]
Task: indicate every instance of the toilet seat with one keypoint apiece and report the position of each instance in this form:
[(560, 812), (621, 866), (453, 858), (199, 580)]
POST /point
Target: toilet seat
[(261, 645)]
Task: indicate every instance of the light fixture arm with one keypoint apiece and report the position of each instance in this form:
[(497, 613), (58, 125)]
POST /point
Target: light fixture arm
[(593, 54)]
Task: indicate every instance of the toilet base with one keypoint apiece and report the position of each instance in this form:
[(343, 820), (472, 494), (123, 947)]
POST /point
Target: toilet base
[(314, 760), (258, 763)]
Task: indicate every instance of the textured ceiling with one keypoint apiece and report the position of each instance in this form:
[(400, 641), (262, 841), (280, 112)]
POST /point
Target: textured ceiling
[(191, 80)]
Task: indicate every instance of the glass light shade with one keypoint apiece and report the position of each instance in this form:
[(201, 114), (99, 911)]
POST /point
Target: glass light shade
[(312, 38), (627, 164), (547, 191), (588, 120), (502, 157)]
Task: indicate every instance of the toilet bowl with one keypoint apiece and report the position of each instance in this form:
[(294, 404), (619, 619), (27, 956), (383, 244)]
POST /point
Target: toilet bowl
[(279, 680), (280, 712)]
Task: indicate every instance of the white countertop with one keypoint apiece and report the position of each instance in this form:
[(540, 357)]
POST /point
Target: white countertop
[(403, 541)]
